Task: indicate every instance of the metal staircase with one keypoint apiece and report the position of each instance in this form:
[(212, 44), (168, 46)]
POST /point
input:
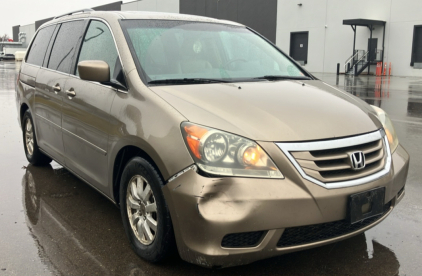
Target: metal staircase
[(350, 62), (361, 64), (360, 60)]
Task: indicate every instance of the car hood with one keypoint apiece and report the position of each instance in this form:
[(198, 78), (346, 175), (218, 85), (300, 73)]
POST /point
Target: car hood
[(278, 111)]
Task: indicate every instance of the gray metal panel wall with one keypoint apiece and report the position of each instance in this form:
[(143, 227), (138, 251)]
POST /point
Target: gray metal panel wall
[(15, 30), (259, 15), (42, 21), (115, 6), (195, 7)]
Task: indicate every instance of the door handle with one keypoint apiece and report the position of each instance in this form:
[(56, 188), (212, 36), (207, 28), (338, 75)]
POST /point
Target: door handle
[(70, 93), (57, 88)]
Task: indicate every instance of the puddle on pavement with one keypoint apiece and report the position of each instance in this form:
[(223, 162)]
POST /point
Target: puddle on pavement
[(83, 234)]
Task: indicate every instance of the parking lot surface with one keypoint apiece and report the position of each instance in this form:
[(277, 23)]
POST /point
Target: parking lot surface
[(51, 223)]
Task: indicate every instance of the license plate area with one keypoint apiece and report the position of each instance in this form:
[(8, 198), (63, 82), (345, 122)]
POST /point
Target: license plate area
[(366, 204)]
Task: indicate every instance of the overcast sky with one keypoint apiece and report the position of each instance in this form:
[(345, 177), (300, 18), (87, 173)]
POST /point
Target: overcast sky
[(23, 12)]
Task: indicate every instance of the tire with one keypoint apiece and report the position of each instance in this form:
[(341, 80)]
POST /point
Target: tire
[(138, 204), (32, 152)]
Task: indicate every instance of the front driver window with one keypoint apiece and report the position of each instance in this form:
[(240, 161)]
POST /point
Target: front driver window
[(98, 44)]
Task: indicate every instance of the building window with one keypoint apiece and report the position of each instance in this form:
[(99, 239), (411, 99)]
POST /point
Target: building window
[(417, 47)]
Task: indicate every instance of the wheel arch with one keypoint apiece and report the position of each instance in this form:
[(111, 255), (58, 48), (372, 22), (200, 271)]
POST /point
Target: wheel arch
[(24, 107), (123, 155)]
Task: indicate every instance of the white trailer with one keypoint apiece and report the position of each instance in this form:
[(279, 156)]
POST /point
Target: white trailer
[(12, 50)]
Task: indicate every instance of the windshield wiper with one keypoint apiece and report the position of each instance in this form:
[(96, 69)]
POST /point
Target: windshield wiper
[(276, 77), (186, 81)]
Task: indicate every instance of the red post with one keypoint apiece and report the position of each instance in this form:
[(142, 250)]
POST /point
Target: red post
[(385, 68), (389, 69)]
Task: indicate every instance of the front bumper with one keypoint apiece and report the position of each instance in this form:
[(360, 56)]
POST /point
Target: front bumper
[(205, 210)]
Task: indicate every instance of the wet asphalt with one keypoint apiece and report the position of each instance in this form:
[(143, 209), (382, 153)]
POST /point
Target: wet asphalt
[(51, 223)]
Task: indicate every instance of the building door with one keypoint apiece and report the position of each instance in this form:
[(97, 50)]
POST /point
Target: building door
[(417, 45), (372, 48), (299, 47)]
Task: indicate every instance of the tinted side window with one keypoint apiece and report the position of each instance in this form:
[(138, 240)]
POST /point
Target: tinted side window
[(98, 44), (39, 46), (65, 45)]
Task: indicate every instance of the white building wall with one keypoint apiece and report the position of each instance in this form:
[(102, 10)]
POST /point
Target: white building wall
[(311, 16), (331, 42), (152, 5), (405, 14), (29, 31)]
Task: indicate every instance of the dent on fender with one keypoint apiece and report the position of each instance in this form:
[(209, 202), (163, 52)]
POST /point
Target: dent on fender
[(213, 197)]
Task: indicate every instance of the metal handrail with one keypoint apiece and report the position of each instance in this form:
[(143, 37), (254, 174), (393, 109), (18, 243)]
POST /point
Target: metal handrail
[(349, 59), (364, 56), (359, 60)]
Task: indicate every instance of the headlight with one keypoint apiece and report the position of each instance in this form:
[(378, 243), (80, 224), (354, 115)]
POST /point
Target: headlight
[(388, 127), (221, 153)]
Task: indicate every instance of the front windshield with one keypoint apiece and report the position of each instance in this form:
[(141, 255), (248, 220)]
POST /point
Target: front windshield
[(171, 50)]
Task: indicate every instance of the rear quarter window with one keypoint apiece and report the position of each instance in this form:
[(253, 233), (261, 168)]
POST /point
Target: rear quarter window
[(39, 46)]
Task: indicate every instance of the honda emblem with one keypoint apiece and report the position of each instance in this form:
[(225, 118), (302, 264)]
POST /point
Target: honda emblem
[(357, 160)]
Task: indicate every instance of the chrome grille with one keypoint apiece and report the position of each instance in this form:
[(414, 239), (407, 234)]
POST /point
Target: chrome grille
[(327, 163), (333, 165)]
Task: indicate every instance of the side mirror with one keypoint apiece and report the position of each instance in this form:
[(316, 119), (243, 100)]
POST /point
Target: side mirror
[(94, 70)]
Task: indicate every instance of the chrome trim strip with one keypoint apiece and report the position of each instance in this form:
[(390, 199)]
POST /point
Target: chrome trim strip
[(91, 144), (340, 143), (331, 144), (193, 167), (54, 124), (99, 84)]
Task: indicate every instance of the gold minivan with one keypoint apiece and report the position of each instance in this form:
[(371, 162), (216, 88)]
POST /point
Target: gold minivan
[(206, 135)]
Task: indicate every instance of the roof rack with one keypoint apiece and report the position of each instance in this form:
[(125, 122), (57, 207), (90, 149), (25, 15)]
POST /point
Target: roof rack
[(77, 11)]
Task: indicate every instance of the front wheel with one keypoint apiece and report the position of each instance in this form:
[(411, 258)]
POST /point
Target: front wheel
[(145, 214), (32, 152)]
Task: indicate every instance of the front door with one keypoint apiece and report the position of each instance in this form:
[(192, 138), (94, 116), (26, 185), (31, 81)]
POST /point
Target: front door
[(372, 48), (417, 46), (86, 115), (299, 47)]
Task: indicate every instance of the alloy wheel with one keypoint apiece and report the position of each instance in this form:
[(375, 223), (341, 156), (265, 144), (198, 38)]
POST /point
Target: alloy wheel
[(29, 137), (141, 209)]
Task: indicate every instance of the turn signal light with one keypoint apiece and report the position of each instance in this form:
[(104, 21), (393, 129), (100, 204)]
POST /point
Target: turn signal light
[(194, 134)]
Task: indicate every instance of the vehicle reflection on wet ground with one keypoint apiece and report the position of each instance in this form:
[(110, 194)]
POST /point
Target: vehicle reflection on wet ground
[(53, 223), (80, 232)]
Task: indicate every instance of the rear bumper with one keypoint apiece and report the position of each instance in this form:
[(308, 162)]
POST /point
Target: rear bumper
[(205, 210)]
